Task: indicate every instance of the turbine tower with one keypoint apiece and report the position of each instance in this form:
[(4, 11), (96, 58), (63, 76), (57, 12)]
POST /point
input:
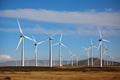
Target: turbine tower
[(36, 44), (22, 36), (100, 46), (92, 46), (60, 44), (50, 49)]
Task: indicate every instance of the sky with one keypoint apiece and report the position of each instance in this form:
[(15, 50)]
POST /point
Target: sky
[(77, 20)]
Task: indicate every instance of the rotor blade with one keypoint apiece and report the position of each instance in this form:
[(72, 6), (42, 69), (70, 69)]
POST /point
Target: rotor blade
[(56, 44), (19, 26), (105, 40), (34, 39), (53, 34), (47, 34), (40, 42), (28, 38), (63, 45), (43, 41), (60, 38), (19, 42), (95, 46), (99, 45), (100, 33)]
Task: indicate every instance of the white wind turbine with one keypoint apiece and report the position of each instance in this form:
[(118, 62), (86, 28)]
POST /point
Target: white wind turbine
[(106, 55), (87, 49), (71, 57), (22, 36), (92, 46), (50, 49), (100, 46), (60, 44), (36, 46)]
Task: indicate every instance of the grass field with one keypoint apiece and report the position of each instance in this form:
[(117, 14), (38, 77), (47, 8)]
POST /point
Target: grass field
[(58, 74)]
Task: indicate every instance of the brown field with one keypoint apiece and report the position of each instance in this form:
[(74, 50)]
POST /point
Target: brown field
[(58, 74)]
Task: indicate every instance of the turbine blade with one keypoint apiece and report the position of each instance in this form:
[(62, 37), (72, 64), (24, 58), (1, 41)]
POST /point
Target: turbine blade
[(56, 44), (19, 26), (94, 46), (105, 40), (34, 39), (99, 45), (63, 45), (60, 38), (100, 33), (19, 42), (40, 42), (47, 34), (28, 38), (53, 34)]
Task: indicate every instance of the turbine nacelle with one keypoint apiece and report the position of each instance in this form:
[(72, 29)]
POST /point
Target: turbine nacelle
[(21, 36), (100, 40), (35, 44), (60, 43), (50, 38)]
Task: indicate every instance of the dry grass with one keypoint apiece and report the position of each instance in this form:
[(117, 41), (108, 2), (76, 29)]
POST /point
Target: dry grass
[(56, 75)]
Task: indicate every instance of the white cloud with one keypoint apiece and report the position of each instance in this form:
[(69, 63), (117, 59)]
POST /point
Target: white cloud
[(5, 57), (89, 18), (83, 31)]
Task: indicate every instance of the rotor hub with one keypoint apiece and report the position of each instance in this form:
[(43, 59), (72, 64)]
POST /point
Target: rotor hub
[(21, 36), (100, 39), (35, 44), (50, 38)]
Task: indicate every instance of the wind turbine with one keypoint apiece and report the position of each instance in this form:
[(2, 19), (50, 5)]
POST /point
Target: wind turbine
[(72, 57), (100, 46), (60, 44), (36, 46), (92, 46), (106, 54), (88, 54), (50, 49), (22, 36)]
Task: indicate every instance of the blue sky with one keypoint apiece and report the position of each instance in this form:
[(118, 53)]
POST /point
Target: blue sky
[(77, 20)]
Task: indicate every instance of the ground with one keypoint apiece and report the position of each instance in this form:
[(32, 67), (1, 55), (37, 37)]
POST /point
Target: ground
[(59, 75)]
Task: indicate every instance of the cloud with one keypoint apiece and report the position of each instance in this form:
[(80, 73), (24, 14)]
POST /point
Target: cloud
[(89, 18), (5, 57), (83, 31)]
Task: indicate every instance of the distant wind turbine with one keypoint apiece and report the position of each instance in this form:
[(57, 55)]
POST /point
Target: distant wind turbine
[(106, 55), (60, 44), (36, 46), (87, 49), (50, 49), (22, 36), (72, 57), (92, 46), (100, 46)]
